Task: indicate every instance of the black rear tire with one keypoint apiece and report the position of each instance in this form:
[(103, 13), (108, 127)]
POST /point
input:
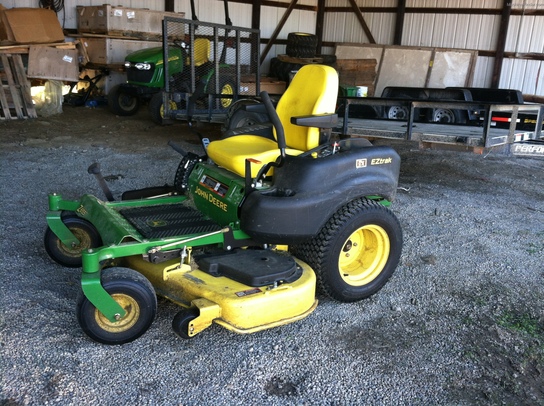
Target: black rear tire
[(356, 251), (134, 293), (70, 257)]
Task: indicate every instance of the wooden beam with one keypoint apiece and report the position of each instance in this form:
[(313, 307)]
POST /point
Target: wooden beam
[(256, 14), (169, 5), (278, 29), (362, 21), (501, 43), (319, 24), (399, 23)]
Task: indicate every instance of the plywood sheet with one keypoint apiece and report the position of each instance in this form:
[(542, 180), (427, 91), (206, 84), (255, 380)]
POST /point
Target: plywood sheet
[(359, 51), (414, 66), (403, 67), (452, 68)]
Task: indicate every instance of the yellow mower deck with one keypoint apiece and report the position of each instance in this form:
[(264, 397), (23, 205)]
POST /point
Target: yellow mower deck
[(233, 305)]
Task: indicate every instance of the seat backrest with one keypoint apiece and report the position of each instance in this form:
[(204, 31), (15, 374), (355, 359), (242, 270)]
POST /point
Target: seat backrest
[(313, 90), (202, 50)]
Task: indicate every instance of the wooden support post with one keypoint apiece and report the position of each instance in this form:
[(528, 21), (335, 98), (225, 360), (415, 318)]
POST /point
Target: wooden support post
[(399, 23), (319, 24), (501, 43)]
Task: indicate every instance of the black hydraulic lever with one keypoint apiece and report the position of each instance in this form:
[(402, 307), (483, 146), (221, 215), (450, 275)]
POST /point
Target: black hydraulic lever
[(94, 169)]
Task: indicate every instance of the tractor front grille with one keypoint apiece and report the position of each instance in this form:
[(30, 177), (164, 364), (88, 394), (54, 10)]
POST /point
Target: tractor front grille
[(140, 76)]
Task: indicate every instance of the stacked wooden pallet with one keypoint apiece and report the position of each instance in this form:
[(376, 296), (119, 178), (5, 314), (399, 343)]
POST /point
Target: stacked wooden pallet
[(15, 99)]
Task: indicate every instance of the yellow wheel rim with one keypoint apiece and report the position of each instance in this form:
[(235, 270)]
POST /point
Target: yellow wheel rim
[(364, 255), (172, 106), (227, 90), (130, 305), (76, 250)]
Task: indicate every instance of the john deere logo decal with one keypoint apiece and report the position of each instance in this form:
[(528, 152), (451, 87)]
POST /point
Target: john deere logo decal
[(156, 223)]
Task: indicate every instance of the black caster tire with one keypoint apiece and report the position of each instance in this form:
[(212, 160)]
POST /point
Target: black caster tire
[(71, 257), (181, 321), (356, 251), (134, 293)]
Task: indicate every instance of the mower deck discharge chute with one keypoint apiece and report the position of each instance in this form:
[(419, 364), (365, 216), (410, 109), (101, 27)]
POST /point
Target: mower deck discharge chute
[(249, 231)]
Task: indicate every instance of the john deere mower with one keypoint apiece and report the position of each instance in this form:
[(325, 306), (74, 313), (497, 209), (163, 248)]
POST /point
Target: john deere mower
[(247, 231)]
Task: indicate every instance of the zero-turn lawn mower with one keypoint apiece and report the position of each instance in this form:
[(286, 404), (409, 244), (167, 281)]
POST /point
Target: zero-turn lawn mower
[(250, 230)]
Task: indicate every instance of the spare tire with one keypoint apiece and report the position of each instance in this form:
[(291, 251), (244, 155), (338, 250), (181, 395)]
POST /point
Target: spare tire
[(301, 45)]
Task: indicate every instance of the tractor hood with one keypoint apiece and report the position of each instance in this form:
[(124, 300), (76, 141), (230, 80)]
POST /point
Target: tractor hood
[(153, 55)]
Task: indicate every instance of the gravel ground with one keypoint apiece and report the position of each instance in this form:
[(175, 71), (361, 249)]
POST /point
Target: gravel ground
[(461, 322)]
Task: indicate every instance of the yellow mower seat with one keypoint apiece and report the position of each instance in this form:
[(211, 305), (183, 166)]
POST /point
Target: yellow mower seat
[(201, 50), (313, 90)]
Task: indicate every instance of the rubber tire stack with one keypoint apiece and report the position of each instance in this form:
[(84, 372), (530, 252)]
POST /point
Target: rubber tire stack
[(299, 45)]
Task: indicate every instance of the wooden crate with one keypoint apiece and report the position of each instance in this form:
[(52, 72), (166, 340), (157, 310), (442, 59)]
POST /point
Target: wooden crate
[(121, 21), (112, 51), (271, 85), (46, 62), (357, 72)]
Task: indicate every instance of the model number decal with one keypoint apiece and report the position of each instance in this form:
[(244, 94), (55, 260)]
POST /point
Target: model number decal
[(381, 161)]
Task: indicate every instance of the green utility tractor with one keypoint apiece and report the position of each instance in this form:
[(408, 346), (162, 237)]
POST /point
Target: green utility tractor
[(207, 66), (247, 232)]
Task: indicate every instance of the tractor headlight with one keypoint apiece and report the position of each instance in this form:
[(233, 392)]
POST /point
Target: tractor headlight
[(139, 65), (142, 66)]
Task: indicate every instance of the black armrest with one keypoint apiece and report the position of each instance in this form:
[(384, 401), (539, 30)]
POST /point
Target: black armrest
[(256, 108), (317, 120)]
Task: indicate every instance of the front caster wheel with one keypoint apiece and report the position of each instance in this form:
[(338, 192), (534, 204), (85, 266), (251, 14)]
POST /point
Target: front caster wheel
[(182, 321), (134, 293), (356, 251), (70, 257)]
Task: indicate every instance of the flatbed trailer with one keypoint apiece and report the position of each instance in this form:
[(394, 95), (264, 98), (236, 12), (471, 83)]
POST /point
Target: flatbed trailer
[(481, 136)]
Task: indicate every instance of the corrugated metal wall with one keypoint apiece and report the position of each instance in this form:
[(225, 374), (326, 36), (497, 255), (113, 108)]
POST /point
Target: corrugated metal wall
[(464, 31)]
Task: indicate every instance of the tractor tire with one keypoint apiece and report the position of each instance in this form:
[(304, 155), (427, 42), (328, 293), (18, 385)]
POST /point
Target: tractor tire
[(301, 45), (227, 87), (134, 293), (282, 70), (238, 116), (70, 257), (121, 103), (156, 109), (356, 251)]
